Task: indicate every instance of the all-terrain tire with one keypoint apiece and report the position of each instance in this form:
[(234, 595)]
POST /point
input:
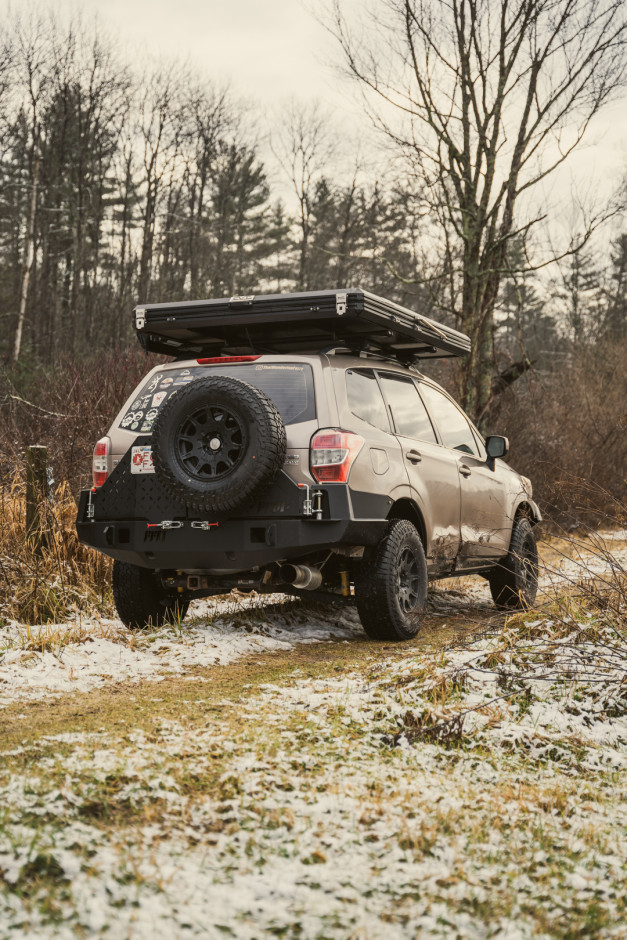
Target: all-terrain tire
[(391, 587), (514, 582), (218, 443), (141, 600)]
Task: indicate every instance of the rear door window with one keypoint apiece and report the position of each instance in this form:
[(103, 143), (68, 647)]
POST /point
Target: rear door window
[(290, 386), (409, 413)]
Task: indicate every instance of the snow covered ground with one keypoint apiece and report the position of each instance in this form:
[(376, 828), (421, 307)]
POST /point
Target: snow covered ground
[(88, 653), (473, 791), (36, 662)]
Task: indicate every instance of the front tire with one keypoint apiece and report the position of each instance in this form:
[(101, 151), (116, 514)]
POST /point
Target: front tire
[(391, 589), (514, 582), (140, 599)]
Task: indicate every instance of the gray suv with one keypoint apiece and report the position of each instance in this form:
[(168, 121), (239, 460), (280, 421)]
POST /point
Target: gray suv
[(340, 473)]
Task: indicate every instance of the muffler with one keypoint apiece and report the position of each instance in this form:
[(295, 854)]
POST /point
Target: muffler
[(300, 576)]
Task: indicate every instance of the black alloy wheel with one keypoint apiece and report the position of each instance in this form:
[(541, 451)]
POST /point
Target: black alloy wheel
[(211, 443), (408, 581)]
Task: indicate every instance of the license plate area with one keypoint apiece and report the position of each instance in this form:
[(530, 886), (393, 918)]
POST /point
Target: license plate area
[(141, 459)]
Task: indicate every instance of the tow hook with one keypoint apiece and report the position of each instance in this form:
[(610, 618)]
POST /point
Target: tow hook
[(203, 524), (166, 524)]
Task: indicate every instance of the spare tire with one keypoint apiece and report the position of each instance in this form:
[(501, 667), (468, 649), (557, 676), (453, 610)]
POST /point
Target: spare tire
[(217, 443)]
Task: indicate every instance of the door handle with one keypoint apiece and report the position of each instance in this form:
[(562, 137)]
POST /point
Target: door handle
[(464, 470), (413, 456)]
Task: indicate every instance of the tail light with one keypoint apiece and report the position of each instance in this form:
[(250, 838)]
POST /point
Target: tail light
[(100, 463), (332, 455)]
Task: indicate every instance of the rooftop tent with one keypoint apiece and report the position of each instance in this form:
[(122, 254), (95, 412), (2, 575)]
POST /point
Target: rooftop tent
[(308, 322)]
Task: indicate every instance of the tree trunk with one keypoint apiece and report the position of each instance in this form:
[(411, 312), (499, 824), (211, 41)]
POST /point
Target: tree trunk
[(29, 251)]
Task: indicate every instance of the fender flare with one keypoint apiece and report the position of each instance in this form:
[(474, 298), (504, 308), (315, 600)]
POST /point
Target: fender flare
[(526, 506)]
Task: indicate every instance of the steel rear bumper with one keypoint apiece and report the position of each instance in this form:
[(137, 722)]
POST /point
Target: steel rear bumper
[(133, 519), (238, 544)]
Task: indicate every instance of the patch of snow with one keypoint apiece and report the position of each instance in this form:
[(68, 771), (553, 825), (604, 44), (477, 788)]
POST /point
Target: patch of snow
[(107, 652)]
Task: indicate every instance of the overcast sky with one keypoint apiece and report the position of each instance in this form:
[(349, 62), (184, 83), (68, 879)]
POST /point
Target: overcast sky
[(269, 50)]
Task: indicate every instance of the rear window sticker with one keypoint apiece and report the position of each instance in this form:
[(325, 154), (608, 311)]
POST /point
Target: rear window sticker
[(158, 398), (141, 459), (141, 403), (154, 383), (167, 381), (132, 416), (151, 415)]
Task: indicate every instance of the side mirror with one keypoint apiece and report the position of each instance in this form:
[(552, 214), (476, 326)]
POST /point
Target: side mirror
[(496, 446)]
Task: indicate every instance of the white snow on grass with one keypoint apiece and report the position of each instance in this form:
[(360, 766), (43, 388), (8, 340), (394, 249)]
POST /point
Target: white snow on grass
[(336, 812), (474, 791), (89, 653), (40, 661)]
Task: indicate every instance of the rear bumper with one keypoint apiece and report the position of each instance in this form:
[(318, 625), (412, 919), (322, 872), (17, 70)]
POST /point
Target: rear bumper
[(235, 545), (132, 519)]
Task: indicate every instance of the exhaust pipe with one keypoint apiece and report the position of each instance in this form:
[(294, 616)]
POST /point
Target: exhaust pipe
[(300, 576)]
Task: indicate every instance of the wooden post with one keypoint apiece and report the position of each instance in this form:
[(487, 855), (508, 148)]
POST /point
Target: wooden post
[(36, 494)]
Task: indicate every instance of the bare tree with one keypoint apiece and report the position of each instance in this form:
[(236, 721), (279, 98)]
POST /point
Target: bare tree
[(34, 67), (485, 99), (160, 131), (303, 148)]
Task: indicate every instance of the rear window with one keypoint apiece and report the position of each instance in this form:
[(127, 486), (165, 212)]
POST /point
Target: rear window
[(289, 385)]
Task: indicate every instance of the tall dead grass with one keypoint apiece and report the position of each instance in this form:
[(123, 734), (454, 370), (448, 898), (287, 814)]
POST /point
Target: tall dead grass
[(47, 586)]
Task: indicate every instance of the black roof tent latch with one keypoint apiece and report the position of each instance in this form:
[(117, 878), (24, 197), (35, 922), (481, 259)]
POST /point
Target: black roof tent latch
[(241, 300)]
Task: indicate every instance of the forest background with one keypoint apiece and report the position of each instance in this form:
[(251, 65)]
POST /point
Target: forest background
[(121, 184)]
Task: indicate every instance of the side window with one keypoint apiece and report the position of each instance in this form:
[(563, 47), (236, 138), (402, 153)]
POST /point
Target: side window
[(365, 399), (452, 423), (409, 413)]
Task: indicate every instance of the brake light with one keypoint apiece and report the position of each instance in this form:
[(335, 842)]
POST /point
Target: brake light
[(332, 455), (100, 462), (218, 360)]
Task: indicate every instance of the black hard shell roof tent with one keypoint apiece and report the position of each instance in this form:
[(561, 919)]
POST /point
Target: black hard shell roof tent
[(310, 322)]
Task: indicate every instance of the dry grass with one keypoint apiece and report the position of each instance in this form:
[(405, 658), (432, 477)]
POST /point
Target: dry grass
[(65, 577)]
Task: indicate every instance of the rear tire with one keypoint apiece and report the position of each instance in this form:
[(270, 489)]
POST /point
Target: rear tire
[(514, 582), (140, 599), (391, 589)]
